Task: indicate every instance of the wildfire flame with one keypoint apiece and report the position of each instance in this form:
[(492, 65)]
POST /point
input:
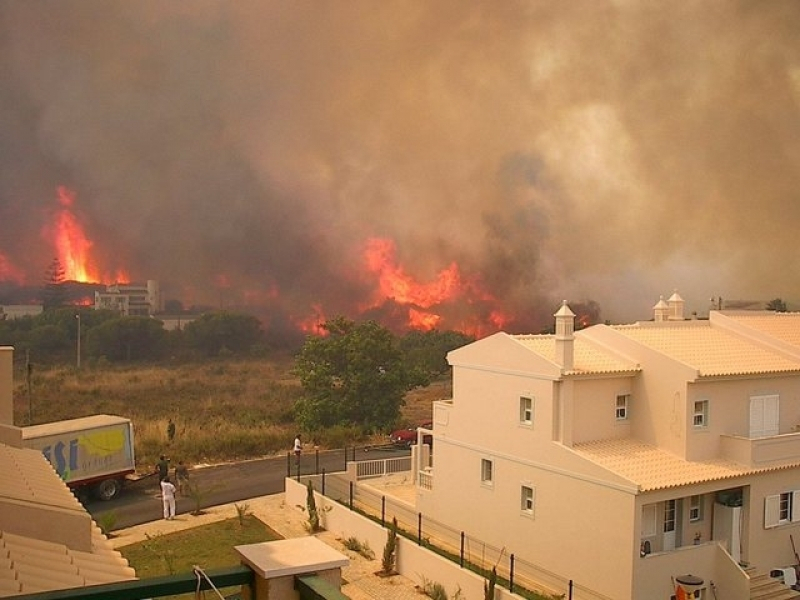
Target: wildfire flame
[(73, 247), (9, 272), (425, 301)]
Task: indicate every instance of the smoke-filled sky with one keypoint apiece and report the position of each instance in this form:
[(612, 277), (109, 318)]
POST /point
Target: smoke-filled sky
[(250, 151)]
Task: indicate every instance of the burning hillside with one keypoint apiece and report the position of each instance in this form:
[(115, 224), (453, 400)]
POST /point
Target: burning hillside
[(451, 164)]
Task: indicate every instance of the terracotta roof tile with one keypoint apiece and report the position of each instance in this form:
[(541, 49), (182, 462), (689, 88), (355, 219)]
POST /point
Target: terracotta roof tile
[(782, 326), (588, 358), (710, 350), (652, 468)]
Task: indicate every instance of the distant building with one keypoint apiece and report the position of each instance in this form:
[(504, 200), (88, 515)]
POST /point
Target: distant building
[(130, 299), (17, 311)]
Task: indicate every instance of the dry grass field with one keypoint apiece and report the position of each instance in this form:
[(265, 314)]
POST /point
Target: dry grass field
[(222, 411)]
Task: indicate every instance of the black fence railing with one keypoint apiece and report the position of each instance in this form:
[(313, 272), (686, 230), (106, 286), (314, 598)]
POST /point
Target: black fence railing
[(515, 574)]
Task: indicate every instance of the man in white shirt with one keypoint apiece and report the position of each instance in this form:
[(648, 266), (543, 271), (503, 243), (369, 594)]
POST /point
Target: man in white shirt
[(168, 499), (298, 448)]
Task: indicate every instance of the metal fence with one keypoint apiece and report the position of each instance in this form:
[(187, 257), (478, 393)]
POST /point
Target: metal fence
[(517, 575)]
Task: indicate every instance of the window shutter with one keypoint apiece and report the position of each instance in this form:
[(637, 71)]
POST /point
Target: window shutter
[(772, 511), (795, 506)]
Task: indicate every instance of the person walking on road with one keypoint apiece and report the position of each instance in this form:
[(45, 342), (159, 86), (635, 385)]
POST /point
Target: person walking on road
[(168, 499)]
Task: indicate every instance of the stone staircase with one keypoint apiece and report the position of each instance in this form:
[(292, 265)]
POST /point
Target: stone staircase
[(764, 587)]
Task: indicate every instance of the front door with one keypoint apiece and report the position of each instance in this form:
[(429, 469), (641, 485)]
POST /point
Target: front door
[(668, 539)]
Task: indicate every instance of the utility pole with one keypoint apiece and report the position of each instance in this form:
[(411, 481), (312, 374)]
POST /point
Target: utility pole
[(78, 316), (28, 370)]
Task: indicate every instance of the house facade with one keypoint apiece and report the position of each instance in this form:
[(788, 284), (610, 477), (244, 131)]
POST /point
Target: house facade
[(130, 299), (632, 455)]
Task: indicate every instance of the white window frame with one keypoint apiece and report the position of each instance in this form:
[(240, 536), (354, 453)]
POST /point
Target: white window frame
[(781, 509), (526, 410), (696, 508), (622, 409), (700, 414), (487, 472), (527, 499)]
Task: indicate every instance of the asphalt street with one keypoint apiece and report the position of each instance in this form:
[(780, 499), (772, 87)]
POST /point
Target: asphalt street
[(140, 502)]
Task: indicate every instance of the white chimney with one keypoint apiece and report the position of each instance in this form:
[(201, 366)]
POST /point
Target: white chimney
[(661, 310), (6, 385), (675, 307), (565, 341)]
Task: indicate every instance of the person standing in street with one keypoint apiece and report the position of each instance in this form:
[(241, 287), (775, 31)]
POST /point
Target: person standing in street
[(168, 499), (298, 449), (162, 468)]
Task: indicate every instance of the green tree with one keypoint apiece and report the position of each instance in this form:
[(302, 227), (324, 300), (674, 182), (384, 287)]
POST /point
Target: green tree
[(777, 305), (354, 375), (54, 294), (223, 331), (426, 351), (127, 339)]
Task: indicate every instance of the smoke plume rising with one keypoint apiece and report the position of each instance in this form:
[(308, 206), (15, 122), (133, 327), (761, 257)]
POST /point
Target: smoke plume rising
[(249, 152)]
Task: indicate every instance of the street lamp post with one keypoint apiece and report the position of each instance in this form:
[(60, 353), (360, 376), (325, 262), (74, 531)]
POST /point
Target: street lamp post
[(79, 340)]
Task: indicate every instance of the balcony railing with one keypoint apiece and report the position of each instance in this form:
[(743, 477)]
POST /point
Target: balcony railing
[(763, 451)]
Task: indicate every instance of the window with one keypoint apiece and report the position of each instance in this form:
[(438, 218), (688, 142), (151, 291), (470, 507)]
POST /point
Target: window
[(669, 516), (700, 418), (696, 508), (526, 410), (526, 499), (623, 400), (486, 471), (781, 509), (649, 520)]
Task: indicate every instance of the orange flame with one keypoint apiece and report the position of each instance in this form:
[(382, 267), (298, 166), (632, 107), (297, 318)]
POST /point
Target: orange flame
[(446, 290), (313, 325), (394, 283), (9, 272), (71, 243)]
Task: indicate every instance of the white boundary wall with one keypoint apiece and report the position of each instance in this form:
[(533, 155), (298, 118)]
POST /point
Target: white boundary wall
[(413, 562)]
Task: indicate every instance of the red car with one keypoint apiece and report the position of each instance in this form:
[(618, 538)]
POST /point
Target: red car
[(408, 437)]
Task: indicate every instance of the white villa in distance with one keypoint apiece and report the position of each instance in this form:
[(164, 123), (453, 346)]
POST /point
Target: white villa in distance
[(629, 456)]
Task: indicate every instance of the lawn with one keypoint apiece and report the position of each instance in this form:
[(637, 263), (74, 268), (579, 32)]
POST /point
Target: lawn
[(207, 546)]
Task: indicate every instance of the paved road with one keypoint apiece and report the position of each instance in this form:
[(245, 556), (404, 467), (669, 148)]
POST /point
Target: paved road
[(140, 502)]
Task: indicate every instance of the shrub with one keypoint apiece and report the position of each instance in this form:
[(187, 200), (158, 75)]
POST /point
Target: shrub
[(363, 549), (311, 506), (390, 550)]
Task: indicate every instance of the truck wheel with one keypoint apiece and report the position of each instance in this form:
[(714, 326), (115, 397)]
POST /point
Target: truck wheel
[(108, 489)]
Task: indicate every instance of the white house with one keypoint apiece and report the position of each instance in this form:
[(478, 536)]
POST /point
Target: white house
[(628, 456)]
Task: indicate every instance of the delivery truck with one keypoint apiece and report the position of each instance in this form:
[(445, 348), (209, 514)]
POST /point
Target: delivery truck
[(93, 455)]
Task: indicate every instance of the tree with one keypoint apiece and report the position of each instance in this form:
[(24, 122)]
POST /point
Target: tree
[(426, 351), (223, 331), (127, 338), (354, 375), (777, 305), (54, 294)]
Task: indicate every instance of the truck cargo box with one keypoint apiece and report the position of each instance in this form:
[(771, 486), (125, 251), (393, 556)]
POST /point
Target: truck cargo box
[(92, 451)]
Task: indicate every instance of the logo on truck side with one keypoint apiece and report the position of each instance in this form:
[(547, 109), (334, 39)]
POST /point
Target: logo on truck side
[(87, 453)]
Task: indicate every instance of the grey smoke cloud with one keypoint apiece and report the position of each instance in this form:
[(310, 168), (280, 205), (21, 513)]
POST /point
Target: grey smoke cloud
[(609, 151)]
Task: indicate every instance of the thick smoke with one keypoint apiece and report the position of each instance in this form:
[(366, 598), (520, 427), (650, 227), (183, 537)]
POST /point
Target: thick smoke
[(604, 151)]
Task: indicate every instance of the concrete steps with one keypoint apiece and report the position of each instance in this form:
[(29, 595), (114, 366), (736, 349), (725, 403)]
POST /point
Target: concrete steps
[(764, 587)]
